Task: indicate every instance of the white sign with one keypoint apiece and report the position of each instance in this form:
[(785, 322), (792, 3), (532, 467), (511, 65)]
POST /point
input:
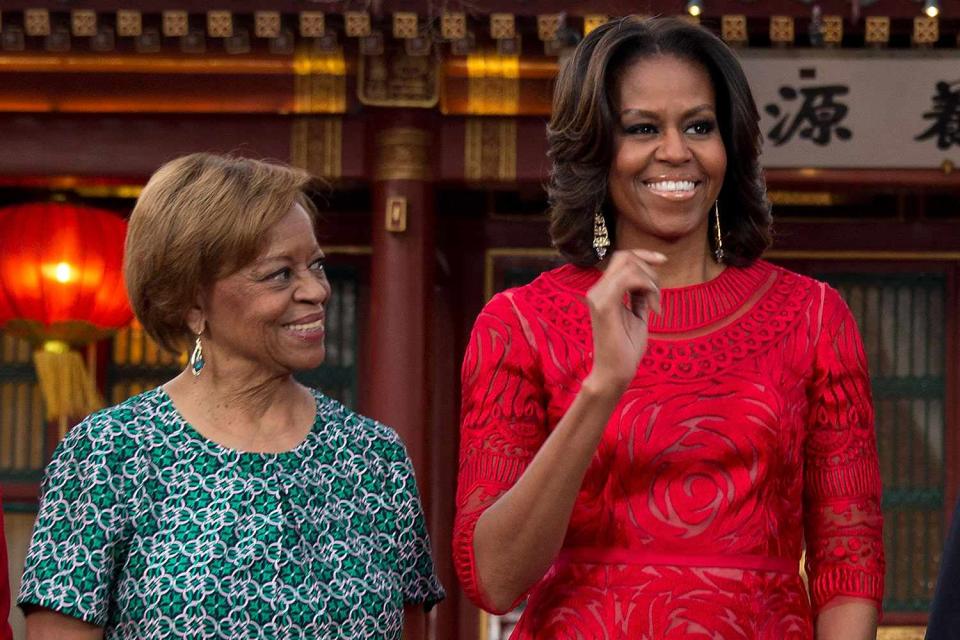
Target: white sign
[(857, 109)]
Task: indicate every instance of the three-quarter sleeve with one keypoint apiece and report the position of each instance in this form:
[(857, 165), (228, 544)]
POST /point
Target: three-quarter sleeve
[(78, 540), (418, 581), (843, 519), (503, 424)]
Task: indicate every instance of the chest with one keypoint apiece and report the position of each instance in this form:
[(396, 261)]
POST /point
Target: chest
[(309, 547)]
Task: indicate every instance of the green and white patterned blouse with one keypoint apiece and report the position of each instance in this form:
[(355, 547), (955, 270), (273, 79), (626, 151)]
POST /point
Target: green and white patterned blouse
[(152, 531)]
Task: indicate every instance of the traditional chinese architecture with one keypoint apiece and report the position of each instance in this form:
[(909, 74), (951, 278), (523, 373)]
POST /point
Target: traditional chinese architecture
[(425, 120)]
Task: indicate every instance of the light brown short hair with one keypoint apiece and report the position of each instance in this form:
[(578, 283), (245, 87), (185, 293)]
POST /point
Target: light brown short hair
[(199, 218)]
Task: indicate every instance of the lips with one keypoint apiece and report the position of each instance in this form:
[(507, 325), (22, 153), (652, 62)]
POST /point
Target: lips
[(307, 326)]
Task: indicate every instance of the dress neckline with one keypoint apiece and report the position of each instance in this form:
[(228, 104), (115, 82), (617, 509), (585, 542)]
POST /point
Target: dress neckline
[(163, 399), (685, 308)]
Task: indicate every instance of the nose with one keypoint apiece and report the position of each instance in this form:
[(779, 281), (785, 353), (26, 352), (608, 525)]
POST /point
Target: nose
[(311, 288), (673, 147)]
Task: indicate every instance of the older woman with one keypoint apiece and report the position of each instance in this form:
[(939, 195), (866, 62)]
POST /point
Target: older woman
[(652, 432), (231, 502)]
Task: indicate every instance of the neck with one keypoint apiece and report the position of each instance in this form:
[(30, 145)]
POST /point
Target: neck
[(689, 260), (241, 407)]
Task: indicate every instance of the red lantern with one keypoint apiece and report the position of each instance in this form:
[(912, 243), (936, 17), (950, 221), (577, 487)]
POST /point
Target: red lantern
[(61, 272)]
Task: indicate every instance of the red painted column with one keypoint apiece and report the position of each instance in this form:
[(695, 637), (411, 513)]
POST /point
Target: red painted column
[(397, 378)]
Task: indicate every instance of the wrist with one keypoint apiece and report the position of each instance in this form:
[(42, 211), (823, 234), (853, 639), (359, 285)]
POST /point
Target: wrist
[(600, 387)]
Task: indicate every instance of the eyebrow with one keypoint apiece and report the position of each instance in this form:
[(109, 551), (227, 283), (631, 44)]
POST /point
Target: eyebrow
[(652, 114), (282, 257)]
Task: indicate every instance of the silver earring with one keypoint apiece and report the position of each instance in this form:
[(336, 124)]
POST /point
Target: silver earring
[(196, 358), (718, 250), (601, 239)]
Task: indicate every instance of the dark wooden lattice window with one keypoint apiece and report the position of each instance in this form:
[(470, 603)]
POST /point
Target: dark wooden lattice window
[(22, 422)]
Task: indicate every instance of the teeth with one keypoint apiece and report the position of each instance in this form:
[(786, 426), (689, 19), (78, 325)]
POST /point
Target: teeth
[(671, 185), (318, 324)]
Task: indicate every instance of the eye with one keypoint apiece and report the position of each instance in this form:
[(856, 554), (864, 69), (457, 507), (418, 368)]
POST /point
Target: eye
[(702, 127), (317, 266), (643, 129), (281, 275)]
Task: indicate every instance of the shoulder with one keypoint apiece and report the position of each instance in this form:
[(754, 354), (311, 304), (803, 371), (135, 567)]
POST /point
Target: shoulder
[(817, 291), (555, 289), (116, 430), (360, 432), (802, 288)]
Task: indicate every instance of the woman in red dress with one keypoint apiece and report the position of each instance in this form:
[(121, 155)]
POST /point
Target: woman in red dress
[(652, 434)]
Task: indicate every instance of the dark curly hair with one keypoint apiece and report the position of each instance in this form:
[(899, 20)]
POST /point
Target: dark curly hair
[(581, 134)]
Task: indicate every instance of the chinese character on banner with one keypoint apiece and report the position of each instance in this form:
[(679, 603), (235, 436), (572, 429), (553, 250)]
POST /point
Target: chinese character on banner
[(818, 118), (945, 115)]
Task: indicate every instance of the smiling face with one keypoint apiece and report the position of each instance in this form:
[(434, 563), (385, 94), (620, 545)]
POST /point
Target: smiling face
[(270, 313), (669, 159)]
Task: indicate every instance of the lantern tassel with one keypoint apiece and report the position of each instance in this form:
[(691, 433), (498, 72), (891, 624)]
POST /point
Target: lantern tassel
[(66, 387)]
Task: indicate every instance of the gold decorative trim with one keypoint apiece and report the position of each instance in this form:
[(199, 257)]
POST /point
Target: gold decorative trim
[(320, 83), (733, 29), (348, 250), (126, 191), (219, 24), (266, 24), (492, 254), (453, 25), (901, 633), (312, 24), (547, 26), (416, 85), (316, 146), (146, 64), (926, 30), (832, 30), (490, 149), (175, 23), (395, 218), (129, 23), (592, 21), (804, 198), (493, 84), (36, 22), (83, 23), (502, 26), (405, 25), (357, 24), (402, 154), (839, 254), (781, 30), (877, 30)]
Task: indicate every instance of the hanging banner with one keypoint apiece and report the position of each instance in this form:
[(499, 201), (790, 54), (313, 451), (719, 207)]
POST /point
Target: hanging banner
[(857, 109)]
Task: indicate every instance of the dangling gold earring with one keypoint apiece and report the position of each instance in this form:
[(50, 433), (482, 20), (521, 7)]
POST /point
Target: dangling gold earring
[(718, 250), (196, 358), (601, 239)]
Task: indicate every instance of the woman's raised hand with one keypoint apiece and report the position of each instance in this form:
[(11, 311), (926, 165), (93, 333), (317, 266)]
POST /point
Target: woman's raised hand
[(619, 330)]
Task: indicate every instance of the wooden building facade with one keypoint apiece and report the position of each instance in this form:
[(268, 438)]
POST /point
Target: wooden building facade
[(426, 120)]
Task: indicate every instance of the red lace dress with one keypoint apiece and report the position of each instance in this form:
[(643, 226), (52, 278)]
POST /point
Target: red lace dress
[(747, 430)]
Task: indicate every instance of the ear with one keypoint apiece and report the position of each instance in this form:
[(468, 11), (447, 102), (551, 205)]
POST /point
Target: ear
[(196, 318)]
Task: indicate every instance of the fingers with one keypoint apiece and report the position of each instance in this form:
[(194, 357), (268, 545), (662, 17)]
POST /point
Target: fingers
[(642, 281), (633, 273), (653, 257)]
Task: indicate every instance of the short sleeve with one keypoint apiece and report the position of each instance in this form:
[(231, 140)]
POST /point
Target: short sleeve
[(5, 632), (415, 562), (78, 537), (502, 426), (843, 518)]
